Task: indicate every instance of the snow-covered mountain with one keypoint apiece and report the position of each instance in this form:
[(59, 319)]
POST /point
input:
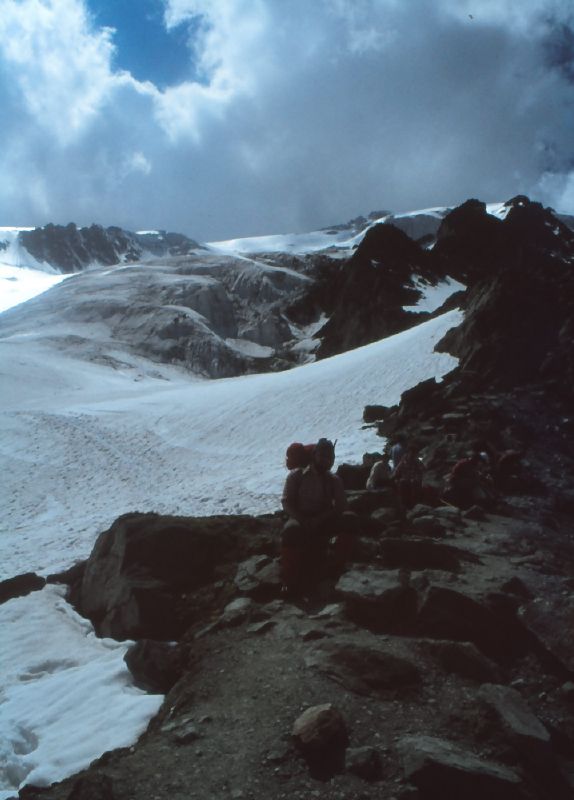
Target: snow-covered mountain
[(227, 309), (70, 249)]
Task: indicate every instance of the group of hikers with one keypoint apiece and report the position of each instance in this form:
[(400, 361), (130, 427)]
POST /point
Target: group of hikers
[(314, 499)]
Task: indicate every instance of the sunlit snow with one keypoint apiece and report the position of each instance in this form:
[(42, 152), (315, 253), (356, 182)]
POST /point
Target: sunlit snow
[(67, 696), (432, 297), (18, 284)]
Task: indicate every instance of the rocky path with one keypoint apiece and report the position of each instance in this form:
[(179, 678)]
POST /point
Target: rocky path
[(437, 651)]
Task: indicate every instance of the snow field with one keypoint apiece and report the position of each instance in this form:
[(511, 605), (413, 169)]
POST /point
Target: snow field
[(66, 695), (83, 444)]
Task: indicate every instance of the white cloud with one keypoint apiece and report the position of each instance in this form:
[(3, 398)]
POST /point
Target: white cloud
[(304, 114), (137, 162), (61, 68), (557, 190)]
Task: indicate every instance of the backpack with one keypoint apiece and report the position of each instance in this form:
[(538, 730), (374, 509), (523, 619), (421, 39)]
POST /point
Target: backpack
[(298, 455)]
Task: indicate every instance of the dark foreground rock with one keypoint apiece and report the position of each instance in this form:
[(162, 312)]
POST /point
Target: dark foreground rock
[(20, 586), (441, 769), (141, 573)]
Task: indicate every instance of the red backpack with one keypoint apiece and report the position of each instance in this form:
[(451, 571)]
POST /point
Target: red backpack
[(298, 455)]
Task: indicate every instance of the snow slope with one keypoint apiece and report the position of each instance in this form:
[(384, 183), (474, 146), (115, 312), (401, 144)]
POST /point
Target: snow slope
[(82, 444)]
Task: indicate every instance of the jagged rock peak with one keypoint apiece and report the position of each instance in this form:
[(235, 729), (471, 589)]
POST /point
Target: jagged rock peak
[(71, 249)]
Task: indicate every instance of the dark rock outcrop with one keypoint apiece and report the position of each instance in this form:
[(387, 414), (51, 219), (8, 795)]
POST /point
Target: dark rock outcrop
[(155, 666), (140, 572), (442, 769), (72, 249), (365, 670), (371, 290), (321, 735), (20, 585)]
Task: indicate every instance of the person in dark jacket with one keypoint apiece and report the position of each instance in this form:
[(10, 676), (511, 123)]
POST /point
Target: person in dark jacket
[(468, 483), (314, 500), (408, 477)]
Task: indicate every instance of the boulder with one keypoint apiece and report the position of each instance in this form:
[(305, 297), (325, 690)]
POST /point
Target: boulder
[(20, 585), (374, 413), (551, 622), (155, 666), (428, 526), (367, 501), (418, 554), (320, 733), (382, 517), (364, 670), (259, 576), (448, 614), (182, 730), (447, 514), (517, 587), (379, 599), (475, 513), (142, 567), (441, 769), (354, 476), (419, 510), (523, 728), (237, 611), (461, 658), (365, 762)]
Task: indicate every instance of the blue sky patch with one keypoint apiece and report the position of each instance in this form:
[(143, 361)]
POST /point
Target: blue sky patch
[(143, 46)]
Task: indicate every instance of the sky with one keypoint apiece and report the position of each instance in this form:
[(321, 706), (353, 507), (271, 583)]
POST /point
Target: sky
[(229, 118)]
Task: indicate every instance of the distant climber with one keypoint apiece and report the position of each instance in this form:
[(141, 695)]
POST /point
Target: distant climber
[(398, 449), (408, 477), (380, 474), (469, 482), (314, 500)]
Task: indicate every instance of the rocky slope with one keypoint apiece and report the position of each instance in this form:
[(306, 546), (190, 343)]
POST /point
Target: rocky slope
[(67, 248), (365, 297), (441, 662)]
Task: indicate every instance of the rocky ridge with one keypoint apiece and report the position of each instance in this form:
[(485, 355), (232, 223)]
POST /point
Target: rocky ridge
[(440, 663), (221, 316), (71, 249)]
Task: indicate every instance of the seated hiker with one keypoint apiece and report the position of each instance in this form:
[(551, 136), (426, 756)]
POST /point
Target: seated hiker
[(314, 500), (398, 449), (408, 477), (380, 474), (467, 483)]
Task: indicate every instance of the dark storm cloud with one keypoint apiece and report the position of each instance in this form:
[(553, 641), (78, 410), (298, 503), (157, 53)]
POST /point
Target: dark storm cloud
[(304, 120)]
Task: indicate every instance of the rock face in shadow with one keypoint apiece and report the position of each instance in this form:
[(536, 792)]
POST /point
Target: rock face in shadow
[(519, 320), (72, 249), (371, 290)]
